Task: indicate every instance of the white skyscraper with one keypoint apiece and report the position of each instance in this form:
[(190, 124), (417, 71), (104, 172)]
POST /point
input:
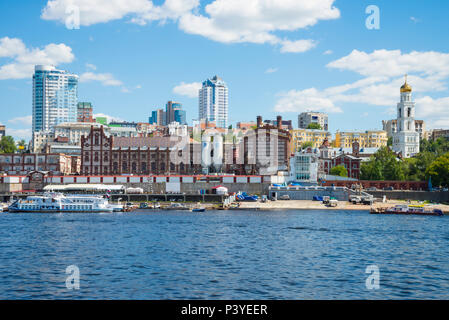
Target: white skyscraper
[(213, 102), (55, 98), (406, 139)]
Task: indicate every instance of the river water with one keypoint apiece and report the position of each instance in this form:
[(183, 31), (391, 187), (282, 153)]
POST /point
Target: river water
[(224, 255)]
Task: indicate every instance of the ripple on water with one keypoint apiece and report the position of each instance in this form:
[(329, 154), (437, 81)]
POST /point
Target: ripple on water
[(225, 255)]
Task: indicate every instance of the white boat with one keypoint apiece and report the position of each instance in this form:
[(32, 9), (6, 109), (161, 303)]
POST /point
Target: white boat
[(58, 202)]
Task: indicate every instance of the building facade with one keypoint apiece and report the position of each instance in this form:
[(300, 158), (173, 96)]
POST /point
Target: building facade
[(352, 161), (24, 163), (367, 139), (2, 131), (304, 165), (174, 113), (306, 118), (157, 117), (40, 140), (439, 133), (85, 112), (285, 125), (73, 131), (213, 102), (301, 136), (263, 151), (406, 139), (391, 126), (55, 97)]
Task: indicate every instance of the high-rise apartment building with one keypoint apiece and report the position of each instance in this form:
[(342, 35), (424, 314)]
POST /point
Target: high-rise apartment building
[(213, 102), (2, 131), (55, 97), (174, 113), (157, 117), (306, 118), (85, 112)]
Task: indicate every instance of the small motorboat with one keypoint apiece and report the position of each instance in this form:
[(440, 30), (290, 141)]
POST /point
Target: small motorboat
[(176, 206), (198, 209)]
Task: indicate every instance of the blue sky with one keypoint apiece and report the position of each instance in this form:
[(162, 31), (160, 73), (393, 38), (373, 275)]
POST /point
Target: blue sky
[(281, 57)]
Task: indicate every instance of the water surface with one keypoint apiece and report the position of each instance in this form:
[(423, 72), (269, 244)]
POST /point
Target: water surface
[(224, 255)]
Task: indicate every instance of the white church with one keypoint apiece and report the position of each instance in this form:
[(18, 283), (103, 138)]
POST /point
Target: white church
[(406, 139)]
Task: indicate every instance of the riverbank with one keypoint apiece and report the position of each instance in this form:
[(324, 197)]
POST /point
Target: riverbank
[(317, 205)]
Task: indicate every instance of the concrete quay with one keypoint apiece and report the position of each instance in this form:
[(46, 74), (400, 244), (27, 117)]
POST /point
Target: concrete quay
[(317, 205)]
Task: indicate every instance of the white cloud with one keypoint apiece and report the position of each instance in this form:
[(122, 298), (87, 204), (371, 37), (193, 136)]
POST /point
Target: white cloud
[(24, 59), (327, 52), (382, 75), (18, 134), (305, 100), (188, 89), (435, 111), (393, 63), (226, 21), (297, 46), (415, 20), (256, 21), (108, 117), (90, 66), (271, 70), (26, 120), (105, 79), (101, 11)]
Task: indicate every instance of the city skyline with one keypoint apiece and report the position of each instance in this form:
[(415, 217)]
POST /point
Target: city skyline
[(285, 69)]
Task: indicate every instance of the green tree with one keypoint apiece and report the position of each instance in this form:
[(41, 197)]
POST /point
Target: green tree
[(315, 126), (390, 141), (371, 170), (307, 144), (384, 165), (439, 171), (339, 171), (7, 145)]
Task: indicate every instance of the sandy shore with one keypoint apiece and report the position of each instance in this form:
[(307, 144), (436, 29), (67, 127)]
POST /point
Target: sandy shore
[(314, 205)]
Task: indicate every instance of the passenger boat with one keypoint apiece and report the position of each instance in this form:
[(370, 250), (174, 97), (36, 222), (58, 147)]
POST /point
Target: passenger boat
[(408, 209), (58, 202)]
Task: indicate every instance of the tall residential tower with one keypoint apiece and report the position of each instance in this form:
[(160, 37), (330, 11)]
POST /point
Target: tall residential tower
[(55, 97), (213, 102)]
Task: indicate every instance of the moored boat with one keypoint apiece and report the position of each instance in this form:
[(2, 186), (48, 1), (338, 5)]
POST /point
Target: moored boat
[(58, 202), (176, 206), (408, 210)]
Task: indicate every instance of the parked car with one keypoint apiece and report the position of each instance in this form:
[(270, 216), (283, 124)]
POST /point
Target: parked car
[(388, 188), (371, 189), (284, 197)]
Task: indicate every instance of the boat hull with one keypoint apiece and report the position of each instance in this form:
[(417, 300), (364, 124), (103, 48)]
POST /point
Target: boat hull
[(408, 213), (15, 210)]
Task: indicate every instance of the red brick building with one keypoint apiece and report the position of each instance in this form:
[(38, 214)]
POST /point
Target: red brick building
[(102, 155)]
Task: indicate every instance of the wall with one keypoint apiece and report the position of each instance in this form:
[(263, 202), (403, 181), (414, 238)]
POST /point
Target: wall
[(436, 196), (341, 194)]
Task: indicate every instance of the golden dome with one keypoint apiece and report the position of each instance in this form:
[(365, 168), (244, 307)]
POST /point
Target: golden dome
[(406, 87)]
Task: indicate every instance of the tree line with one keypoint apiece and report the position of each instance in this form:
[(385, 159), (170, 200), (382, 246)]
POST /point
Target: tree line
[(432, 162)]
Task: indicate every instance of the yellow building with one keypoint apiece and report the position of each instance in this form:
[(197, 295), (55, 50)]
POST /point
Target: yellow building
[(301, 136), (367, 139)]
